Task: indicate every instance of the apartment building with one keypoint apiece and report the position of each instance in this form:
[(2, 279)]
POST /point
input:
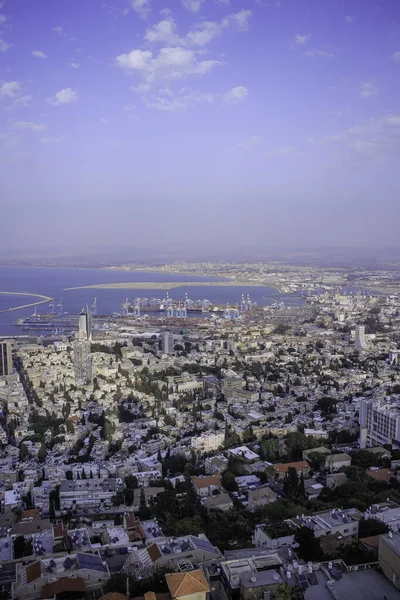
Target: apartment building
[(379, 422)]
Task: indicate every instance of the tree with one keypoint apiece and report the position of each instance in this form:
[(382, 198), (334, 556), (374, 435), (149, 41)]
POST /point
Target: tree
[(309, 547), (23, 452), (131, 482), (291, 483), (228, 481), (296, 442), (42, 453)]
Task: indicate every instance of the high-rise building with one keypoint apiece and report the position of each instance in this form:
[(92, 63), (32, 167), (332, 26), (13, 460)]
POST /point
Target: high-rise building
[(85, 324), (360, 341), (167, 342), (82, 362), (379, 422), (5, 359)]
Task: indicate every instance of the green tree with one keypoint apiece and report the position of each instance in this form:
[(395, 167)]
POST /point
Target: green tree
[(131, 482), (23, 452), (309, 547), (228, 481)]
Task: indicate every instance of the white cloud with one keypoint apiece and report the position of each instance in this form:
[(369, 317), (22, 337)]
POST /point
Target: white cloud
[(392, 121), (74, 65), (58, 29), (169, 64), (317, 52), (368, 88), (281, 151), (65, 96), (201, 34), (4, 46), (253, 141), (349, 19), (26, 125), (142, 7), (164, 31), (192, 5), (22, 101), (236, 94), (302, 39), (104, 121), (3, 19), (39, 54), (53, 140), (396, 56), (223, 1), (9, 89)]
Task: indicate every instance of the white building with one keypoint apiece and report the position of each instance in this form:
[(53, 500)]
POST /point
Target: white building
[(167, 342), (208, 442), (360, 341), (379, 422)]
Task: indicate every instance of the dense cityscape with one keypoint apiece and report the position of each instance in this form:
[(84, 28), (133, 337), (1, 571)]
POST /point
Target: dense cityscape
[(252, 452)]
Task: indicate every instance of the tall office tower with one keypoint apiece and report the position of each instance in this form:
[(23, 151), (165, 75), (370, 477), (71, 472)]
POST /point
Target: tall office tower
[(167, 342), (360, 341), (85, 324), (379, 422), (82, 362), (5, 359)]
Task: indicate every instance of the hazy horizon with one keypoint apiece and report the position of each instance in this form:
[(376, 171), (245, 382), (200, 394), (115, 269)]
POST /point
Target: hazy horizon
[(199, 127)]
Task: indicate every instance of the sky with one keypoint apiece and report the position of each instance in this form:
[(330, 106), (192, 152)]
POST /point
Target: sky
[(199, 124)]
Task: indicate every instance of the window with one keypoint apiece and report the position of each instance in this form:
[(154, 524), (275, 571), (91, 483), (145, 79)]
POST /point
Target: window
[(345, 531)]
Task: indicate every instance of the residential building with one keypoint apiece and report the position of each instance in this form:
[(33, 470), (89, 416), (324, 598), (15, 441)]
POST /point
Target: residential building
[(65, 576), (389, 557), (261, 497), (379, 422), (387, 512), (5, 359), (335, 462), (301, 466), (208, 442), (188, 586), (219, 502), (167, 342), (331, 522), (87, 493), (82, 362), (204, 486), (248, 576)]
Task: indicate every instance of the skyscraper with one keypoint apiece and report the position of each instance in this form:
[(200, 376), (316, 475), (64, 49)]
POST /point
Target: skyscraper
[(167, 342), (360, 341), (5, 359), (85, 324), (82, 362)]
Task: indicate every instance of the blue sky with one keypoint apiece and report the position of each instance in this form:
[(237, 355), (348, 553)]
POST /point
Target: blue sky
[(248, 123)]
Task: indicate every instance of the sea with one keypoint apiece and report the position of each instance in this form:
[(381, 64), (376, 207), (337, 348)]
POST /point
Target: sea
[(51, 281)]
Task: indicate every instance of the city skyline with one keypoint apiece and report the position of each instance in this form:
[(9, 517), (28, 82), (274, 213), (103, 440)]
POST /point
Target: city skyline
[(147, 123)]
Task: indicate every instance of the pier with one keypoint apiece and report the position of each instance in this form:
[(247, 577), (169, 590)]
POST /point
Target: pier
[(42, 300)]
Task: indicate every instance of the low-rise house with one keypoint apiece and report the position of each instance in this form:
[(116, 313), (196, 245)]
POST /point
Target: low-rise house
[(216, 464), (301, 466), (204, 486), (332, 522), (188, 586), (219, 502), (387, 512), (335, 462), (49, 577), (333, 480), (381, 474), (261, 497), (320, 450)]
